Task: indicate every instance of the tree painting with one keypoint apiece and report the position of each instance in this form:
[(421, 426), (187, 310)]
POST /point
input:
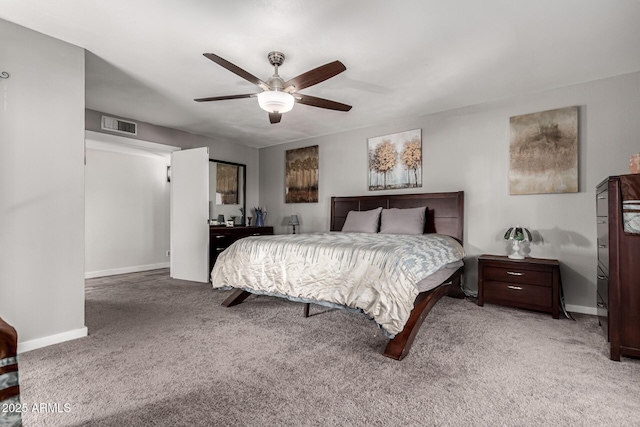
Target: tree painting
[(386, 158), (543, 152), (302, 175), (411, 157), (395, 161)]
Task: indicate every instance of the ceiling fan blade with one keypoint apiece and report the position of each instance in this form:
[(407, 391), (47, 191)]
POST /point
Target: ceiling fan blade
[(222, 98), (237, 70), (320, 102), (314, 76), (275, 118)]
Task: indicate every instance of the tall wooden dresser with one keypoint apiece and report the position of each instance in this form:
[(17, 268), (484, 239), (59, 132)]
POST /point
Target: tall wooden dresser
[(618, 294)]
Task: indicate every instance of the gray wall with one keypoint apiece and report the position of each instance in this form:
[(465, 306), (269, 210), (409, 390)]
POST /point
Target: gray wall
[(41, 185), (218, 149), (468, 149)]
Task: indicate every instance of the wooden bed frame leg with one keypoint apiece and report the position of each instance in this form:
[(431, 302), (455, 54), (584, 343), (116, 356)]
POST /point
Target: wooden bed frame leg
[(399, 347), (236, 298), (455, 290)]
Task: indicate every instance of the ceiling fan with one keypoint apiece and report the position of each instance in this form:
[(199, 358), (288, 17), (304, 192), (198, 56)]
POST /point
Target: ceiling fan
[(277, 96)]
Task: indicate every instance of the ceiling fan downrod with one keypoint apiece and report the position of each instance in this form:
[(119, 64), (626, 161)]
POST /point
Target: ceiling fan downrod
[(276, 82)]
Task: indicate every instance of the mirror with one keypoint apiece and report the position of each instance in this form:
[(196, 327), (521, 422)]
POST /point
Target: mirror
[(227, 192)]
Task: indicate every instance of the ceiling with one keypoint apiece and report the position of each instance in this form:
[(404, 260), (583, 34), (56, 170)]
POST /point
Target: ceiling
[(404, 59)]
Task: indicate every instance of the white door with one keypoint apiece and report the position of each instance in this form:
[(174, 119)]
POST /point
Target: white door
[(190, 214)]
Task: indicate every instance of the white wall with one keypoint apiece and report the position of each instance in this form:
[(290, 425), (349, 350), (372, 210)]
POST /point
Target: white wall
[(41, 187), (468, 149), (126, 211)]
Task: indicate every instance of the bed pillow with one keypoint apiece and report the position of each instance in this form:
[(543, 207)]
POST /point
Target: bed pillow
[(362, 221), (402, 221)]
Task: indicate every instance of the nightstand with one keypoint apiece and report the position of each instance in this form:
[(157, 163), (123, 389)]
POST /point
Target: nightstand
[(530, 283)]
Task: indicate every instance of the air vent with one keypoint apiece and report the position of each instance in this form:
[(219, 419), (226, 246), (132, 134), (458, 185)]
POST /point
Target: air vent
[(118, 125)]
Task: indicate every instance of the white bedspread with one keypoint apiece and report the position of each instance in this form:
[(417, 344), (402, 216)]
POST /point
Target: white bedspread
[(371, 272)]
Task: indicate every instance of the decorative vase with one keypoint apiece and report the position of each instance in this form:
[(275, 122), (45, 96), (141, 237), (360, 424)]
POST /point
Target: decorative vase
[(261, 217)]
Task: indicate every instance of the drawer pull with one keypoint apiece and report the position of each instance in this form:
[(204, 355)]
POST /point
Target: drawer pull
[(601, 198), (601, 305), (256, 234), (515, 288), (600, 277), (602, 222), (220, 237), (515, 273), (602, 246)]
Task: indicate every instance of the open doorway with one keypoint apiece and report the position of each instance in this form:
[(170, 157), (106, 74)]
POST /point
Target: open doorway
[(127, 201)]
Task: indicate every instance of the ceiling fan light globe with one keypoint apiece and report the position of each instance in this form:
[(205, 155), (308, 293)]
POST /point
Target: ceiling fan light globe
[(275, 101)]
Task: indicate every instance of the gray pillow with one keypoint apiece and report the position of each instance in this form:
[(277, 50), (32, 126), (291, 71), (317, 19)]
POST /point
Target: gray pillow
[(402, 221), (362, 221)]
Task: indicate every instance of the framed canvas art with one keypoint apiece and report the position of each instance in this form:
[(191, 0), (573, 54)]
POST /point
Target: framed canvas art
[(301, 181), (543, 152), (395, 161)]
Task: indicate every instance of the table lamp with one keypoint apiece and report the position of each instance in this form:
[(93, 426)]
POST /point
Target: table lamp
[(293, 220), (518, 235)]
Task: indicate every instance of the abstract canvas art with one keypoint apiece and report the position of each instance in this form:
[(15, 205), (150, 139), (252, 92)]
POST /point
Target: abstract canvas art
[(395, 161), (302, 175), (543, 152)]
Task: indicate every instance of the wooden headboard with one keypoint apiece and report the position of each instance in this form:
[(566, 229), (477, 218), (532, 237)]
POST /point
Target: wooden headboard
[(445, 211)]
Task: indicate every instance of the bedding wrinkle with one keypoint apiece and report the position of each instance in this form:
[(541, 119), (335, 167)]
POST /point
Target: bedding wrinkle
[(376, 274)]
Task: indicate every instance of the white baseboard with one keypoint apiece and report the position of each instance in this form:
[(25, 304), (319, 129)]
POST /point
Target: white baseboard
[(124, 270), (52, 339), (581, 309)]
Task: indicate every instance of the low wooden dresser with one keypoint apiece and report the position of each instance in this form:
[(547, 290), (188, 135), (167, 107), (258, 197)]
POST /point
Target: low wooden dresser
[(221, 237), (530, 283)]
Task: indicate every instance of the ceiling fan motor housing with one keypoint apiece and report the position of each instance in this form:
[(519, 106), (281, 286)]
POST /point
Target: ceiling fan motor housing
[(276, 58), (276, 83)]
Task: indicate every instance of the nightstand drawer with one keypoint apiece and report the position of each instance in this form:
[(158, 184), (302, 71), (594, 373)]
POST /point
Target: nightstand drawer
[(517, 294), (518, 275)]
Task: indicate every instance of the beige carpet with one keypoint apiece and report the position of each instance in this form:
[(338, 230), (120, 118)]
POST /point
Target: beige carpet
[(162, 352)]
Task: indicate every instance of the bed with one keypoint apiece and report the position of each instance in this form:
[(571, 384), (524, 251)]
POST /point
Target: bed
[(385, 276)]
